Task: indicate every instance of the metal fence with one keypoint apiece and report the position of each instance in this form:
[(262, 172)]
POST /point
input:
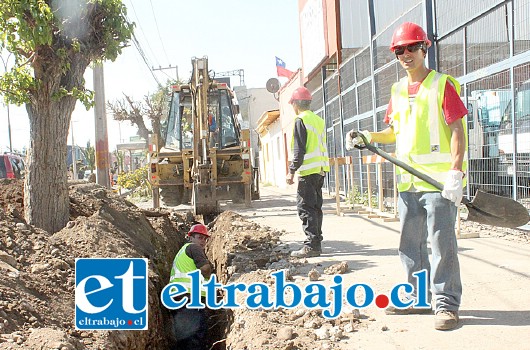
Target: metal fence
[(485, 45)]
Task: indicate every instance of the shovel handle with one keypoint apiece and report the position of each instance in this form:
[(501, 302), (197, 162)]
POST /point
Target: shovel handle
[(499, 211), (403, 165)]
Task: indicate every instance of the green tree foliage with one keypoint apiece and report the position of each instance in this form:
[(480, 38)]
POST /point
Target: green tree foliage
[(90, 155), (53, 42)]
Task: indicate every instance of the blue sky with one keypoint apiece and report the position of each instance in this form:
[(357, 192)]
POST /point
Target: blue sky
[(234, 34)]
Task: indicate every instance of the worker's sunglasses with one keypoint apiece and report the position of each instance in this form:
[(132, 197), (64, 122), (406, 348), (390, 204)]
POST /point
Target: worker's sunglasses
[(400, 50)]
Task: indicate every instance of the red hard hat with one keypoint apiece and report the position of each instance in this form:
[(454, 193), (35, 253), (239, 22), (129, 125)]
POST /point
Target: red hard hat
[(199, 228), (408, 33), (301, 94)]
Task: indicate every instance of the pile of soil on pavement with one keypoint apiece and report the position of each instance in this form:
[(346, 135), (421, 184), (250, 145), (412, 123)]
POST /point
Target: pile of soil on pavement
[(249, 253)]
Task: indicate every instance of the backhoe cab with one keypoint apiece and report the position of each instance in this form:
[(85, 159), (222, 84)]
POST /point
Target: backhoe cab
[(202, 153)]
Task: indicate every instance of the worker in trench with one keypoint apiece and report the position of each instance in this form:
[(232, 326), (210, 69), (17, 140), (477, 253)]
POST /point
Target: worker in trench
[(190, 325)]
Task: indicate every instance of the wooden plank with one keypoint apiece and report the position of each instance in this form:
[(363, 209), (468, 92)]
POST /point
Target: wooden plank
[(364, 212), (374, 158), (337, 196), (390, 219), (380, 185), (374, 216), (369, 183), (340, 160)]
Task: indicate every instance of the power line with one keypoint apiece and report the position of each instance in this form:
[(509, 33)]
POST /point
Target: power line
[(143, 33), (170, 67), (158, 31), (144, 58), (136, 43)]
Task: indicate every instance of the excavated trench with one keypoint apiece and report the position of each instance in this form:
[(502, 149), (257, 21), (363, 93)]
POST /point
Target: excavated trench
[(104, 225), (37, 289), (236, 247)]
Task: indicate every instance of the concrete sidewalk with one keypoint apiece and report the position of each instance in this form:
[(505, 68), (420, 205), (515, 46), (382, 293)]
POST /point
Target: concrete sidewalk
[(495, 311)]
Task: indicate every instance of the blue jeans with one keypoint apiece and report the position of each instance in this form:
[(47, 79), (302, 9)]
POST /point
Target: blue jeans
[(427, 215)]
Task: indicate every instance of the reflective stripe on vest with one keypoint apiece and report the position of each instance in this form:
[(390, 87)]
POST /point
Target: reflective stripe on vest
[(423, 139), (316, 157), (182, 264)]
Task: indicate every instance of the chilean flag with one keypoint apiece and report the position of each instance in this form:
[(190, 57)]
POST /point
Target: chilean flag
[(280, 69)]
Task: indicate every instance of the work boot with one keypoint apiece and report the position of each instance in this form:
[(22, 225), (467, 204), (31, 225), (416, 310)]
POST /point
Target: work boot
[(305, 252), (392, 310), (445, 320)]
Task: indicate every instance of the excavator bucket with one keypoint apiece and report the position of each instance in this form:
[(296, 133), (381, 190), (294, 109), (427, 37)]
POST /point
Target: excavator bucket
[(204, 200)]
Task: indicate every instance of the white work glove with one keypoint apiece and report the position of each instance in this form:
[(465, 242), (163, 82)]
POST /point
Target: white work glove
[(353, 139), (453, 186)]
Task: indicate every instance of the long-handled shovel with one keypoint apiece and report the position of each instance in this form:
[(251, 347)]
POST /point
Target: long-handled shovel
[(485, 208)]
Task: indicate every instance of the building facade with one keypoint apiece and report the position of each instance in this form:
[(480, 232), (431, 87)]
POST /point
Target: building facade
[(252, 103), (484, 44), (275, 128)]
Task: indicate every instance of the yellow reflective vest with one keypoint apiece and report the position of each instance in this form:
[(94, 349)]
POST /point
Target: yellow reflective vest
[(316, 158), (182, 264), (423, 139)]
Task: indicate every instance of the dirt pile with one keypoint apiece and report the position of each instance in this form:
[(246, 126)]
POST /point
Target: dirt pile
[(12, 196), (250, 254), (37, 291), (510, 234), (38, 268), (239, 246)]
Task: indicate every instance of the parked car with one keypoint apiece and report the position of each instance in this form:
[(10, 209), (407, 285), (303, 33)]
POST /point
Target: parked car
[(12, 166)]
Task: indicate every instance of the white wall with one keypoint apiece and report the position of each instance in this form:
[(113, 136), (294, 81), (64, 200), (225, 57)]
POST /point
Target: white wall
[(272, 166), (252, 104)]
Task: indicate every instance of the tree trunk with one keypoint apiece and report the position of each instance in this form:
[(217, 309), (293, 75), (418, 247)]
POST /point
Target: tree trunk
[(143, 132), (156, 128), (46, 201)]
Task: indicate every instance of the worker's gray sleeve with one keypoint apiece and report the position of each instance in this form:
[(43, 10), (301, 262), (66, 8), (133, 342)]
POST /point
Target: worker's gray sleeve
[(196, 253), (300, 139)]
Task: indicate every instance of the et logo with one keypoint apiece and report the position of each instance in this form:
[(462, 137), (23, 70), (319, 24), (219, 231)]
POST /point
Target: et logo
[(111, 294)]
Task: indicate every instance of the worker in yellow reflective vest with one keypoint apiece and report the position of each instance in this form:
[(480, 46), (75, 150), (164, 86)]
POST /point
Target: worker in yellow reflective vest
[(311, 162), (190, 325), (425, 121)]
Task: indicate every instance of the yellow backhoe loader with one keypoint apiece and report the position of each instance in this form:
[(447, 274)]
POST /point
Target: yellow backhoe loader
[(202, 155)]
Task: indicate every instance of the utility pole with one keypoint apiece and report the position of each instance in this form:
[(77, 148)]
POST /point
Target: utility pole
[(170, 67), (102, 141), (236, 72)]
